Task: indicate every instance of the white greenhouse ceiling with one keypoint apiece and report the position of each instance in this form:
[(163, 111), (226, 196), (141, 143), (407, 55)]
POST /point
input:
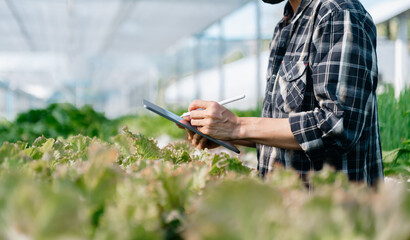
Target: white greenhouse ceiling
[(99, 26)]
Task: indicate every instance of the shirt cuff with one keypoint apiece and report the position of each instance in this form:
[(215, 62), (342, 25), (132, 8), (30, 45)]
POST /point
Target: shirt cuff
[(307, 134)]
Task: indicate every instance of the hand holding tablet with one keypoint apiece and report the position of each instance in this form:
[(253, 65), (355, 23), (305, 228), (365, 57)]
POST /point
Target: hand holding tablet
[(177, 119)]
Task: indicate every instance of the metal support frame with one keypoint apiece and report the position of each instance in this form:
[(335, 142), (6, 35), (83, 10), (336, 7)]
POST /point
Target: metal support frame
[(401, 55), (71, 50), (221, 53), (10, 104), (123, 13), (197, 66), (179, 74), (20, 24), (258, 52)]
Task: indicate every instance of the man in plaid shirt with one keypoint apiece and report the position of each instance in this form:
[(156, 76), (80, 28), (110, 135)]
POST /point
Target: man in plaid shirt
[(320, 102)]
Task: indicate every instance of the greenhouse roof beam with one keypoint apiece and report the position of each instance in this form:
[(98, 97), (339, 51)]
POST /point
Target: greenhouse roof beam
[(20, 24), (122, 14)]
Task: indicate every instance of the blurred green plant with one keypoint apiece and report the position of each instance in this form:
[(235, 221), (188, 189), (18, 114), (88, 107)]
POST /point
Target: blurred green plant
[(249, 209), (129, 188), (57, 120), (150, 125), (394, 118), (397, 162)]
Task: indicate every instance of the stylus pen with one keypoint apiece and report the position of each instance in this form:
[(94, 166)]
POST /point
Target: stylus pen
[(226, 101)]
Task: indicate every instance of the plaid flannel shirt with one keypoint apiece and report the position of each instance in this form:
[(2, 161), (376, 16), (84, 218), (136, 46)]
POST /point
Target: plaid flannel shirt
[(322, 75)]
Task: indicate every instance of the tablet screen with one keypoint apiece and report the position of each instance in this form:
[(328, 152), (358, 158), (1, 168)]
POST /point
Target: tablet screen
[(177, 119)]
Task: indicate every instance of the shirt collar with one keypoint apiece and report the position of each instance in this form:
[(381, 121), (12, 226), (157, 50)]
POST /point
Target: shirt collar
[(288, 11)]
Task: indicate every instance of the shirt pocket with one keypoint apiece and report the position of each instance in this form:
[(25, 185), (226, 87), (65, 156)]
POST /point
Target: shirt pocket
[(291, 86)]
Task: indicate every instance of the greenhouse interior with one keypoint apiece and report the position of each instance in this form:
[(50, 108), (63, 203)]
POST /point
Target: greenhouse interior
[(81, 157)]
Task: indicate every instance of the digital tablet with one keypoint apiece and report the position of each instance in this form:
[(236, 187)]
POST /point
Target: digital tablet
[(177, 119)]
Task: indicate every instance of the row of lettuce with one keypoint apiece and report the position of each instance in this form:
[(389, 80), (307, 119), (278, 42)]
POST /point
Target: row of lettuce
[(129, 188)]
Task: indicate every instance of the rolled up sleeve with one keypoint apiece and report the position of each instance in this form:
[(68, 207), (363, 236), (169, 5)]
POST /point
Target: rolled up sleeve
[(342, 84)]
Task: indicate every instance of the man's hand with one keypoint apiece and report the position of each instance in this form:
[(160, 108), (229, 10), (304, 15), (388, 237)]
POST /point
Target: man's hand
[(214, 120), (197, 140), (200, 142)]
